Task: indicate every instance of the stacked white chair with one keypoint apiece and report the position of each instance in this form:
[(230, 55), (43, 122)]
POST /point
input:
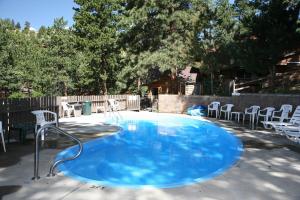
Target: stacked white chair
[(2, 136), (213, 106), (41, 120), (226, 109)]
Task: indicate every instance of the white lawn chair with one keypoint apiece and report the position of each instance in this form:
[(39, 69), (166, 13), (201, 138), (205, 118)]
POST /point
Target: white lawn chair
[(67, 109), (41, 120), (213, 106), (252, 112), (2, 136), (113, 105), (226, 109), (283, 113), (278, 126), (292, 133), (265, 113)]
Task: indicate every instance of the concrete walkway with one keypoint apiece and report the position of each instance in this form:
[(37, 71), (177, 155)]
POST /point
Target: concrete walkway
[(268, 169)]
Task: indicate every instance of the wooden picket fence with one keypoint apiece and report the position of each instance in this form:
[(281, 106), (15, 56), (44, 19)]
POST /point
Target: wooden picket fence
[(16, 111)]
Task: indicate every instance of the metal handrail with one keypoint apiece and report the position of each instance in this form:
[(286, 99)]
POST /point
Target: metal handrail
[(53, 166)]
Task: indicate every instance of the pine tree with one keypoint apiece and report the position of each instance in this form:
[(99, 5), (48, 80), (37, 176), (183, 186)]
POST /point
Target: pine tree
[(157, 35), (96, 25), (214, 35)]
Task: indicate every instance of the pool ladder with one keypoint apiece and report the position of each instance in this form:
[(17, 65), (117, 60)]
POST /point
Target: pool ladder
[(37, 152)]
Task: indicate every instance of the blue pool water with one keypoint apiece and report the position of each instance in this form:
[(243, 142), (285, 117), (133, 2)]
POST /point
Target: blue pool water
[(163, 152)]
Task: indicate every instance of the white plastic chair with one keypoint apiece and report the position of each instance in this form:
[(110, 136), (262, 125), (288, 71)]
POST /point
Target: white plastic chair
[(2, 136), (252, 112), (283, 113), (279, 126), (265, 113), (113, 105), (41, 120), (292, 133), (226, 109), (67, 108), (213, 106)]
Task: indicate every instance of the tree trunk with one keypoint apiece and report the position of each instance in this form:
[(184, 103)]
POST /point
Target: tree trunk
[(65, 89), (104, 87), (105, 97), (139, 84), (212, 83), (272, 73)]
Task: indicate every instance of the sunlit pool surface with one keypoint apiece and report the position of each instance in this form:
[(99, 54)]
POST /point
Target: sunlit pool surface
[(162, 152)]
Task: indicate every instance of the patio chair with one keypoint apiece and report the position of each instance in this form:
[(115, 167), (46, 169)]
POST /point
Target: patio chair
[(265, 113), (67, 109), (283, 113), (41, 120), (113, 105), (278, 125), (2, 136), (226, 109), (252, 112), (213, 106), (292, 133)]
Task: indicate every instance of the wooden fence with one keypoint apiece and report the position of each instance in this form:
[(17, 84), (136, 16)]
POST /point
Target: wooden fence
[(127, 102), (18, 111)]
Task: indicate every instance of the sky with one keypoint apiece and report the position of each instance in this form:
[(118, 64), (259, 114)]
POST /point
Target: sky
[(37, 12)]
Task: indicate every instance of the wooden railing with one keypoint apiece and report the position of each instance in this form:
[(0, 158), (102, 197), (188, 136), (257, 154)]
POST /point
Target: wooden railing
[(237, 87)]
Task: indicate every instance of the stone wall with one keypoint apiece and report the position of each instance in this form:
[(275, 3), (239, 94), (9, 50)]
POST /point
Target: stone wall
[(179, 103)]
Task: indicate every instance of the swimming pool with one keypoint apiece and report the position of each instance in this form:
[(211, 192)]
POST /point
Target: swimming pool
[(160, 151)]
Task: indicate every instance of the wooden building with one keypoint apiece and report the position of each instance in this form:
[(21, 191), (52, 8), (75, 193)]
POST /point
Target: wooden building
[(186, 82)]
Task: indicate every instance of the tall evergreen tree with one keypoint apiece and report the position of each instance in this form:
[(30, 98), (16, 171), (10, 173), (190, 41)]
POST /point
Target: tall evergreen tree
[(269, 31), (214, 35), (157, 35), (96, 25)]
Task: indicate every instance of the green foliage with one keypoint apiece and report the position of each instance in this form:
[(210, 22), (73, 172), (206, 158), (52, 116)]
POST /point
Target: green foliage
[(119, 46), (268, 30), (46, 62), (156, 35), (95, 25)]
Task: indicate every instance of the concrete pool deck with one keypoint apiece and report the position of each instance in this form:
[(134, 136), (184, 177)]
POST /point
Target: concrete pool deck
[(269, 169)]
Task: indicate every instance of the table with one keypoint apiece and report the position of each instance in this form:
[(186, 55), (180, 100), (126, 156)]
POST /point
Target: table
[(236, 115), (23, 128)]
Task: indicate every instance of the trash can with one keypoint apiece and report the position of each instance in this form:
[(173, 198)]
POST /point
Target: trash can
[(87, 108)]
